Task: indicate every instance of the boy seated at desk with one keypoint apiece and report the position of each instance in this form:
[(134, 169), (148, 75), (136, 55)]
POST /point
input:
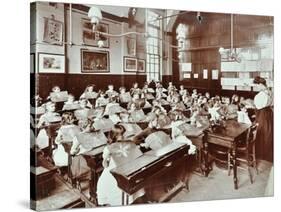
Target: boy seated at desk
[(50, 116), (135, 89), (194, 94), (36, 107), (57, 96), (235, 99), (101, 101), (111, 92), (182, 91), (116, 153), (243, 116), (231, 109), (177, 104), (160, 91), (82, 143), (147, 92), (124, 96), (65, 134), (136, 114), (55, 89), (187, 100), (152, 127), (71, 104), (89, 93), (207, 95), (172, 97), (171, 87), (82, 113), (178, 135)]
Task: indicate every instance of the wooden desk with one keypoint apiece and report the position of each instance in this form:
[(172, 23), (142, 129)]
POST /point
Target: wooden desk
[(155, 171), (43, 182), (226, 137), (94, 161)]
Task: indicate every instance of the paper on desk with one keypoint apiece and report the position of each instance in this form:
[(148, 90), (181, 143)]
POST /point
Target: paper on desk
[(68, 133), (124, 152), (91, 140), (61, 96), (91, 95), (131, 129), (105, 125), (125, 98), (157, 140)]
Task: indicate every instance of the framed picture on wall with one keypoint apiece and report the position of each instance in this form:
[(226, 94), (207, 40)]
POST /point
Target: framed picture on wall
[(53, 31), (91, 38), (51, 63), (141, 65), (94, 61), (130, 64)]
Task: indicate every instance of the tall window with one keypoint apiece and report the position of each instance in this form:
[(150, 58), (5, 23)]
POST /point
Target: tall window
[(154, 46)]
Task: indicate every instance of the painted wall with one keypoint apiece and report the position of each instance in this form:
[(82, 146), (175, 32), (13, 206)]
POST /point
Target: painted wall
[(69, 81), (117, 47)]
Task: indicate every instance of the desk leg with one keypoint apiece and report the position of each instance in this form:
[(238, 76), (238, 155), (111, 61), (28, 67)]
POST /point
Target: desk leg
[(93, 186), (123, 198), (127, 199), (234, 161), (205, 164)]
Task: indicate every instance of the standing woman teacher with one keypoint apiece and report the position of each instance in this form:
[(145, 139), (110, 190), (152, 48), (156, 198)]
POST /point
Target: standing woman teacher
[(264, 117)]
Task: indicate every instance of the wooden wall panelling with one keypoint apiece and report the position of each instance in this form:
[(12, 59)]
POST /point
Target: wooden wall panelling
[(215, 31)]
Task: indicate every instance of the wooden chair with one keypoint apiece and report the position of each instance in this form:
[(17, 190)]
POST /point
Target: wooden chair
[(246, 152)]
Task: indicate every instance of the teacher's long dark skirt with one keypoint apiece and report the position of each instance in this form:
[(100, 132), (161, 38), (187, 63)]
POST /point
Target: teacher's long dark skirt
[(264, 142)]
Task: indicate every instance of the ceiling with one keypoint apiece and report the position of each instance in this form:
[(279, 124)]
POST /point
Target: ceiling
[(115, 10)]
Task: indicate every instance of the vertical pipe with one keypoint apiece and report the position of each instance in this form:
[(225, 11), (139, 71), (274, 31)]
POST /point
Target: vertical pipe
[(231, 33), (70, 24)]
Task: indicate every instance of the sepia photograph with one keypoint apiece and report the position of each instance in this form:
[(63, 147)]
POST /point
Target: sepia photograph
[(141, 65), (91, 37), (130, 64), (147, 106), (94, 61), (53, 31), (50, 63)]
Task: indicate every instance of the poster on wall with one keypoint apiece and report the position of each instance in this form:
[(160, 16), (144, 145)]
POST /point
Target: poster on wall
[(53, 31), (186, 67), (131, 46), (141, 65), (130, 64), (186, 76), (91, 38), (51, 63), (205, 74), (215, 74), (94, 61)]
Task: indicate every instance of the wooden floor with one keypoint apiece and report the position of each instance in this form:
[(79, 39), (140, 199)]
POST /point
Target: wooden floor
[(218, 185)]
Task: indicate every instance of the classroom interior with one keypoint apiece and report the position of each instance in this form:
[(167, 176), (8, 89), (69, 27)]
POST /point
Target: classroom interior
[(143, 105)]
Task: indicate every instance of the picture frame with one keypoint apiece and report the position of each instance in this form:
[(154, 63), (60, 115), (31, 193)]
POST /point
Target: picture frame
[(51, 63), (186, 75), (141, 67), (94, 61), (130, 64), (91, 38), (53, 31)]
